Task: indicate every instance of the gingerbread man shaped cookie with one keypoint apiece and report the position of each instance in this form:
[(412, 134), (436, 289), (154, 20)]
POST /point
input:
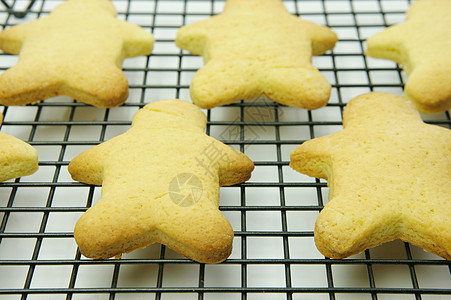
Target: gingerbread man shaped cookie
[(256, 47), (17, 158), (422, 45), (160, 183), (389, 176), (76, 51)]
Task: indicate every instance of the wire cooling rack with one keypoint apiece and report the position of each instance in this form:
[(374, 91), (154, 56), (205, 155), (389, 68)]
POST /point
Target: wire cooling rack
[(272, 214)]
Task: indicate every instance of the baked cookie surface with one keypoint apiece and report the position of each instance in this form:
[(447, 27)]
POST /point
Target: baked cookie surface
[(422, 45), (256, 47), (389, 176), (160, 183), (17, 158), (75, 51)]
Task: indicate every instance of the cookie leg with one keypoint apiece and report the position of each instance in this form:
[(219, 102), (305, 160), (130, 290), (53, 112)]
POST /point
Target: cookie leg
[(24, 84), (341, 232), (204, 234), (224, 82), (105, 86), (112, 227), (430, 88), (426, 228), (298, 87)]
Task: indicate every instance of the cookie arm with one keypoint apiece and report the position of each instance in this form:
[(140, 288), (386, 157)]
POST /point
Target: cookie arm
[(322, 37), (387, 44), (313, 158), (193, 37), (137, 41), (11, 38), (88, 166), (17, 158), (234, 167)]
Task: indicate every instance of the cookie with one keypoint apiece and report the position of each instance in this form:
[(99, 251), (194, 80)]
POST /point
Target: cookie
[(75, 51), (256, 47), (422, 45), (389, 176), (160, 183), (17, 158)]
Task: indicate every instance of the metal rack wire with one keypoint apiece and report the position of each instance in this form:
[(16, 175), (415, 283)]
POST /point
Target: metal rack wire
[(273, 214)]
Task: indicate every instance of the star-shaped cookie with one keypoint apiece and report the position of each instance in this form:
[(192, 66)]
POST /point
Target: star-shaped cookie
[(160, 183), (17, 158), (422, 45), (256, 47), (75, 51), (389, 176)]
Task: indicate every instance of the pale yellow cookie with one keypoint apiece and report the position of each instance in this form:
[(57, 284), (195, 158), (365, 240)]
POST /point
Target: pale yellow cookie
[(422, 45), (160, 183), (75, 51), (17, 158), (389, 176), (256, 47)]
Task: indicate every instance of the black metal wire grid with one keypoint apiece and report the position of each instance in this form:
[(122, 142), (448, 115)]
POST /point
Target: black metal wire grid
[(273, 214)]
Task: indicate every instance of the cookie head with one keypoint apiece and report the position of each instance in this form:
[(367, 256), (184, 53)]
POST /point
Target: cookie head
[(171, 113), (357, 113), (95, 5), (246, 5)]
